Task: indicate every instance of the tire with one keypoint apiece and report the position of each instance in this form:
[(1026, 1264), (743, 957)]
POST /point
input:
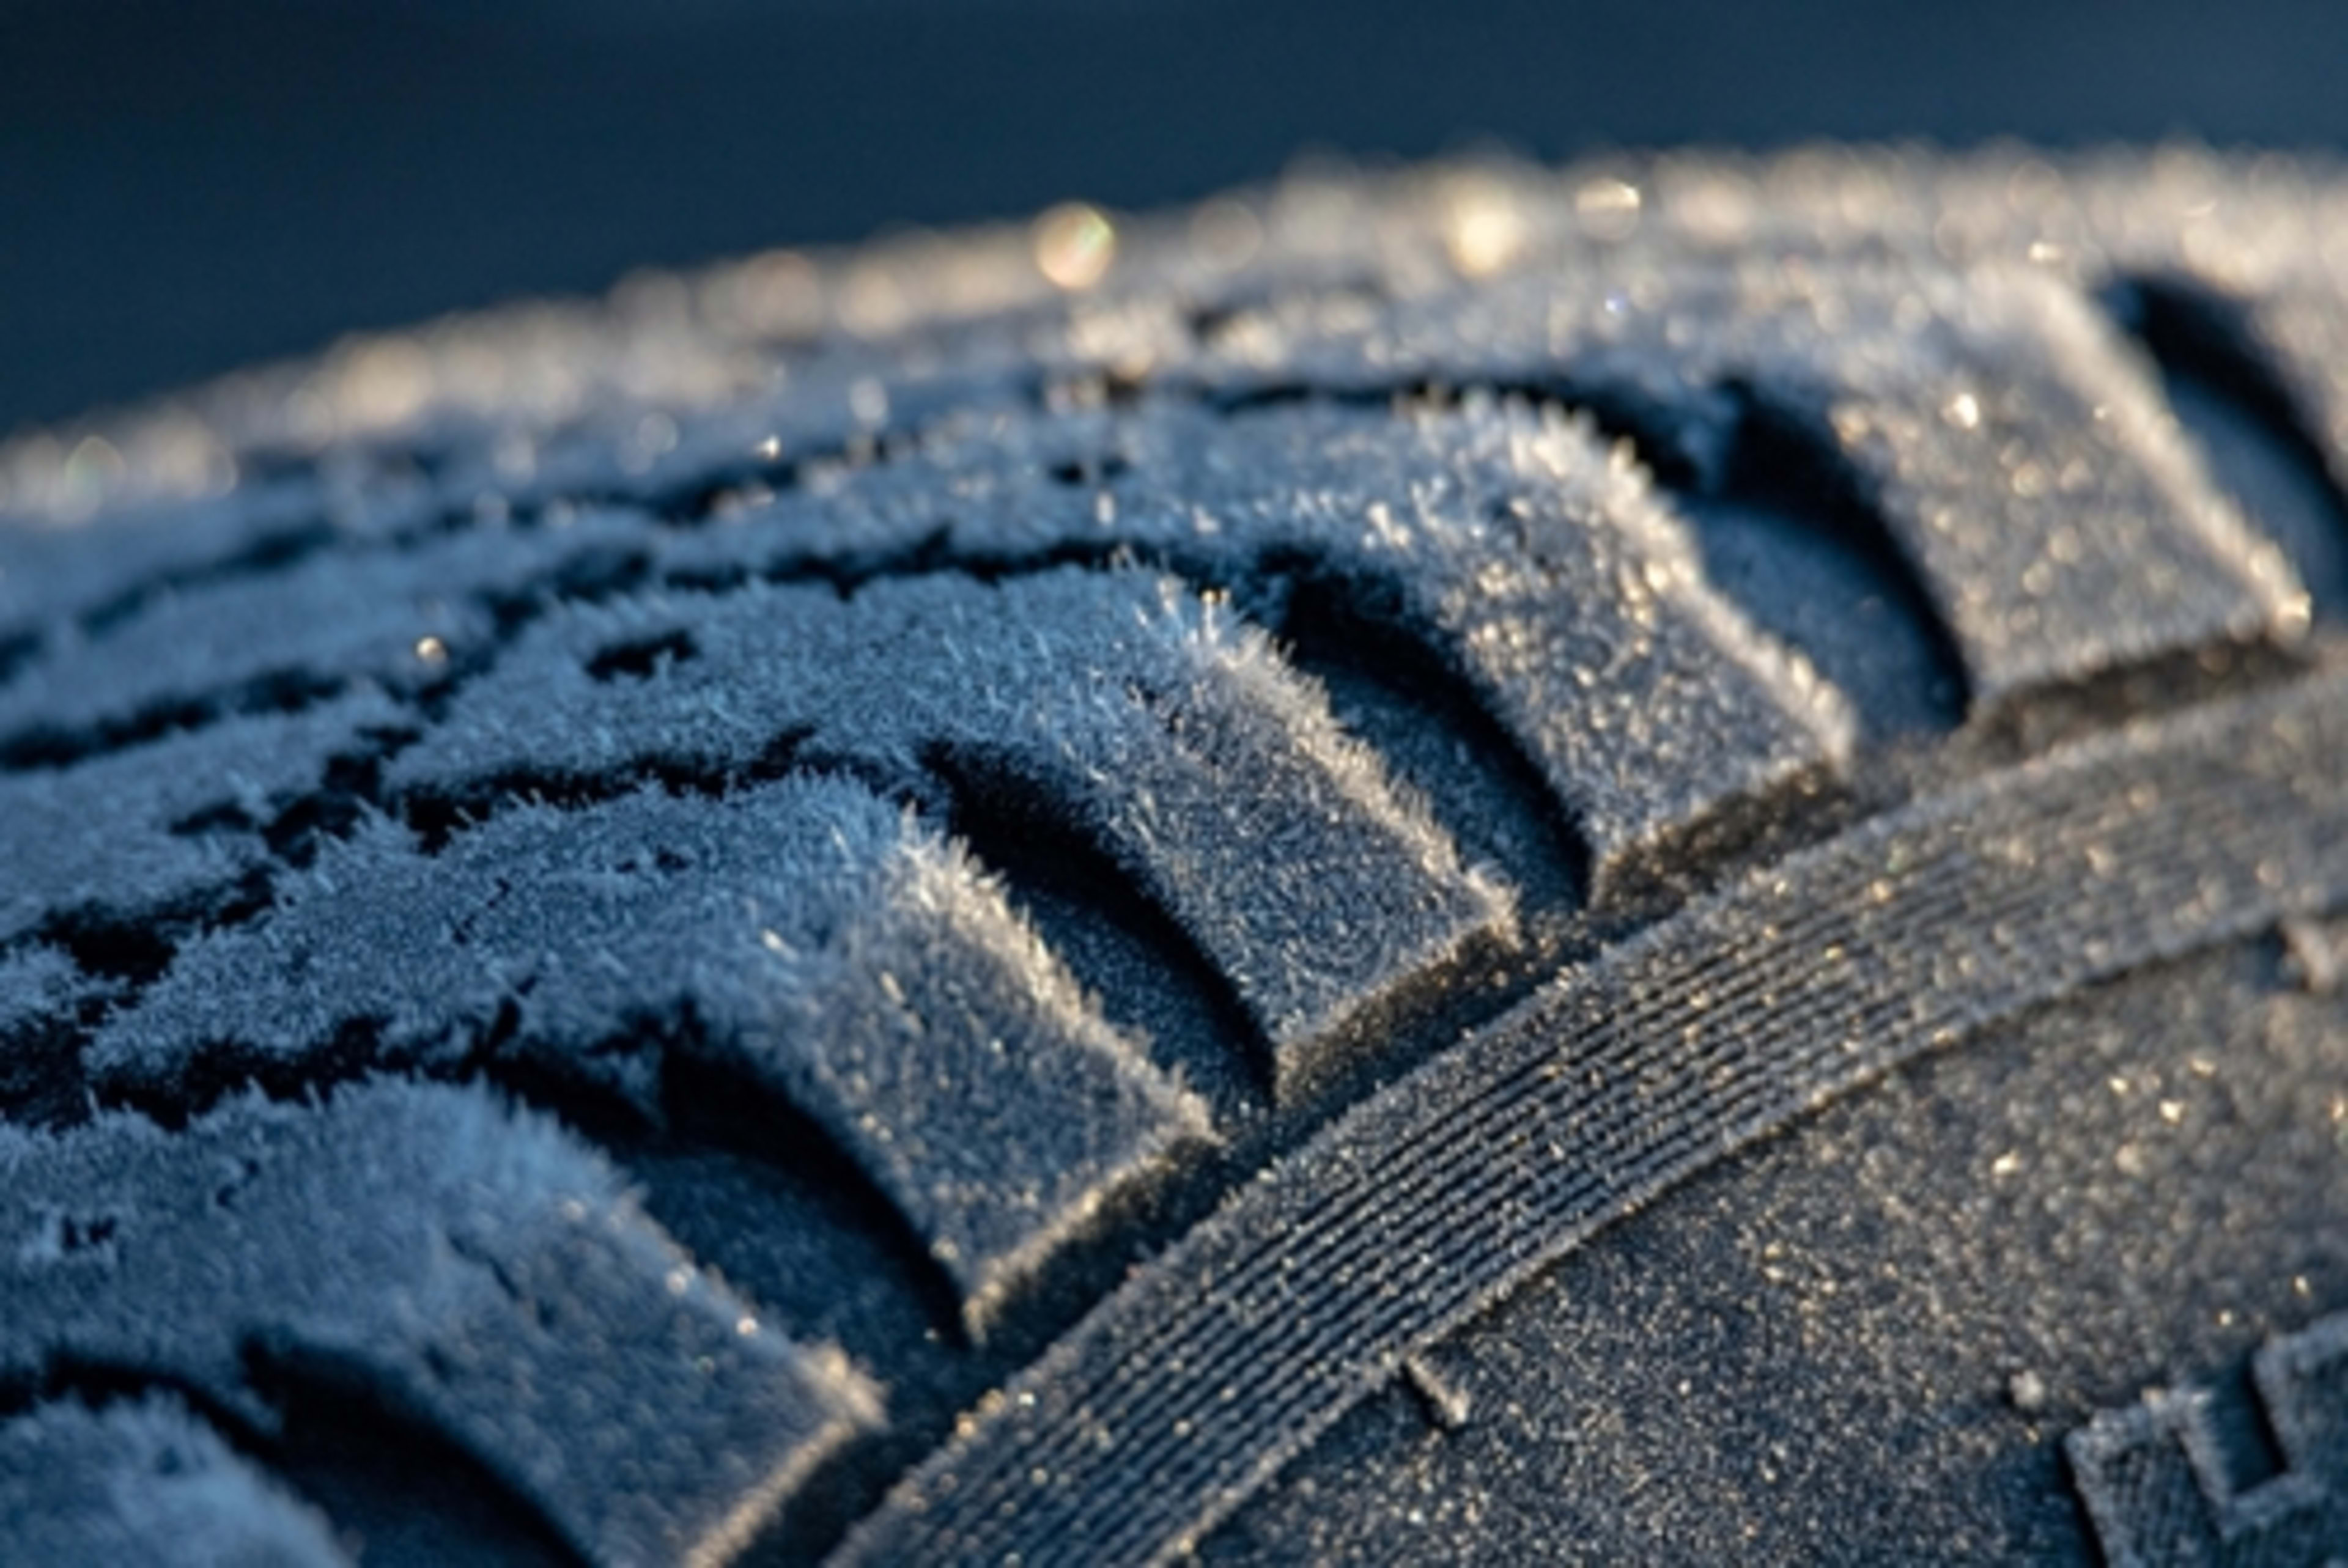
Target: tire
[(1642, 863)]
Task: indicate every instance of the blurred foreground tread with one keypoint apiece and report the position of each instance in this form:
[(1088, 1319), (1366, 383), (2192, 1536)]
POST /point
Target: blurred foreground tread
[(968, 903)]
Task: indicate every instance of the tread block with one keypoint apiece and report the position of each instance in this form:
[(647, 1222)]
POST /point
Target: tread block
[(2155, 1482), (472, 1265), (145, 1482), (1171, 735), (2018, 457), (100, 834), (36, 985), (397, 616), (808, 930), (1533, 560), (2258, 239), (2031, 472)]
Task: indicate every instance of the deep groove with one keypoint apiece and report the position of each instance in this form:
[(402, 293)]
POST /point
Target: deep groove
[(18, 650), (138, 946), (438, 814), (378, 1469), (1151, 979), (931, 556), (2252, 430), (41, 1080), (1428, 725), (227, 818), (1084, 474), (2246, 1441), (753, 1188), (416, 1500), (592, 576), (1790, 537), (99, 1384), (2034, 720), (644, 658), (220, 1069), (710, 1105), (350, 789)]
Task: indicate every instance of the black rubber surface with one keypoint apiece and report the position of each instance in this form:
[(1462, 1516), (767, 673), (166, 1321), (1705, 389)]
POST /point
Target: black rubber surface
[(1212, 884)]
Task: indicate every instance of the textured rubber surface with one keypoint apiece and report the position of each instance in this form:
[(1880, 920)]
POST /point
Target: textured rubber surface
[(952, 903), (2141, 1471)]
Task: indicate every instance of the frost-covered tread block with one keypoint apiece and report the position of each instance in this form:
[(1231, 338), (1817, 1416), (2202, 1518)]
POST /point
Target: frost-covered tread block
[(2020, 460), (145, 1482), (470, 1264), (1117, 701), (1532, 558), (38, 985), (142, 829), (2256, 241), (813, 935)]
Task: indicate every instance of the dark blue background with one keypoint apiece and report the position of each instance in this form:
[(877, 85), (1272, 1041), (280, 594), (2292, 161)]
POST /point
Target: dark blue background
[(186, 185)]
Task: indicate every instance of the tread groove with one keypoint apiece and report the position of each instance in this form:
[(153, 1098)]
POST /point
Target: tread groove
[(1906, 675), (1412, 706), (131, 1474), (555, 1228), (1195, 1023), (2252, 429)]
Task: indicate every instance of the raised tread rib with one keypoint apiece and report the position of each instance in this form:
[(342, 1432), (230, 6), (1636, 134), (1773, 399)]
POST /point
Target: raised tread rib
[(145, 1482), (2258, 239), (473, 1266), (1133, 711), (1529, 557), (805, 932), (2018, 457)]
